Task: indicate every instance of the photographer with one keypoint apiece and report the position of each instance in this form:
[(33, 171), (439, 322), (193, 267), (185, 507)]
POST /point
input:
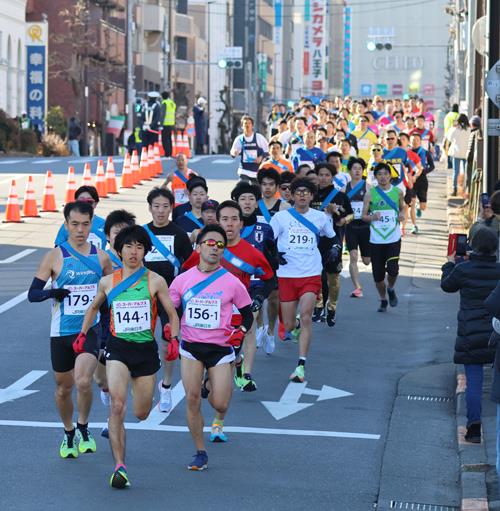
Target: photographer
[(489, 218)]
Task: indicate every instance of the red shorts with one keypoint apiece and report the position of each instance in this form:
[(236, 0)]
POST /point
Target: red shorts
[(292, 288)]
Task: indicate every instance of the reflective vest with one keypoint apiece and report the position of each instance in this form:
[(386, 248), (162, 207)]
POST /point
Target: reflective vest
[(137, 135), (170, 107)]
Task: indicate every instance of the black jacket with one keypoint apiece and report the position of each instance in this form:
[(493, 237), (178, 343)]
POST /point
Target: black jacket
[(492, 304), (475, 279)]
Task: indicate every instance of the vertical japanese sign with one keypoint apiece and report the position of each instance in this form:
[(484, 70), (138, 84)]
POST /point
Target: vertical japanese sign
[(36, 72), (347, 51), (306, 82), (278, 21), (318, 47)]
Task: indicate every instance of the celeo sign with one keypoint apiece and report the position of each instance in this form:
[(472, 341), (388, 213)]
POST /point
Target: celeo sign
[(36, 72), (397, 63)]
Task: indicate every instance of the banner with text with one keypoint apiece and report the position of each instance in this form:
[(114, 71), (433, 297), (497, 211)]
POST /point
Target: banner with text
[(36, 72)]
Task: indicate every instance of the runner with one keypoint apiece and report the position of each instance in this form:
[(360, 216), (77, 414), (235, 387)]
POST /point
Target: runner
[(179, 178), (297, 138), (208, 217), (269, 180), (96, 236), (285, 184), (383, 208), (132, 293), (75, 268), (422, 184), (426, 135), (299, 274), (182, 209), (208, 293), (171, 247), (197, 192), (309, 153), (276, 160), (366, 138)]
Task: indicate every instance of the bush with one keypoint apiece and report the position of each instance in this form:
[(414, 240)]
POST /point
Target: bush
[(56, 122), (9, 133), (28, 141), (54, 145)]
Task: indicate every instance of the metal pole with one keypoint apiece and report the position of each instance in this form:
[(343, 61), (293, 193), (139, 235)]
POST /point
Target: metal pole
[(85, 87), (130, 66), (170, 32), (471, 57), (209, 95)]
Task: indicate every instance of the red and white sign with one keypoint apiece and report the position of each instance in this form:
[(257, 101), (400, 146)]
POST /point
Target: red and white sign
[(397, 89), (318, 43), (429, 89)]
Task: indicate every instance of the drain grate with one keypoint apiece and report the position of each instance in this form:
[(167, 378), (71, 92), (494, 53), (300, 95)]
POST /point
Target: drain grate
[(399, 504), (430, 399), (431, 275)]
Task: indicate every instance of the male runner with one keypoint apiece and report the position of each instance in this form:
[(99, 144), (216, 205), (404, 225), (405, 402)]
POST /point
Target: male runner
[(308, 153), (75, 268), (171, 247), (366, 138), (297, 231), (297, 139), (208, 217), (132, 293), (269, 180), (197, 191), (383, 208), (181, 209), (284, 187), (421, 185), (208, 293), (276, 160), (179, 178)]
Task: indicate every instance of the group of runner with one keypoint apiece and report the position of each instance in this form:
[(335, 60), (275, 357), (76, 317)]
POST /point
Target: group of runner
[(226, 279)]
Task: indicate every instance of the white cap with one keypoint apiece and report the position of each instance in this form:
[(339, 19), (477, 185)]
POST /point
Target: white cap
[(201, 101), (153, 94)]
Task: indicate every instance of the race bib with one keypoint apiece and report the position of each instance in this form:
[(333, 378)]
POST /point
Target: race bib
[(301, 239), (203, 313), (95, 240), (155, 255), (249, 155), (363, 144), (180, 196), (78, 301), (131, 316), (425, 144), (386, 222), (357, 209)]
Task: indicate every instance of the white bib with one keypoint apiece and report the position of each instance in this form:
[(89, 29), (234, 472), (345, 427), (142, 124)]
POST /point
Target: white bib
[(301, 238), (363, 143), (357, 209), (131, 316), (78, 301), (203, 313), (181, 196), (155, 255), (386, 222)]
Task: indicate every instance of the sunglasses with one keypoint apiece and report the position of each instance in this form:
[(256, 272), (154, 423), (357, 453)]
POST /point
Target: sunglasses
[(214, 243), (285, 187), (302, 191), (391, 138), (376, 150)]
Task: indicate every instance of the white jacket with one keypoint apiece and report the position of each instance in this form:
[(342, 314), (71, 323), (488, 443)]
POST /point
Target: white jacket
[(459, 142)]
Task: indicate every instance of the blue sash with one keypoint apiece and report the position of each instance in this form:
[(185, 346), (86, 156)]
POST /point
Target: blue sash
[(426, 131), (363, 135), (390, 154), (115, 259), (87, 261), (355, 190), (328, 199), (164, 251), (125, 284), (181, 176), (422, 153), (193, 219), (284, 168), (338, 182), (198, 288), (387, 199), (264, 210), (304, 221), (240, 264), (246, 231)]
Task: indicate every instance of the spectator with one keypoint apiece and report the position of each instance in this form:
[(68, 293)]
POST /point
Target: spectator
[(74, 132), (200, 125), (490, 219), (475, 279), (458, 140), (475, 137)]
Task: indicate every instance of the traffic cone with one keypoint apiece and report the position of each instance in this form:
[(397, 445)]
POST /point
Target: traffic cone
[(134, 167), (144, 166), (178, 144), (13, 211), (127, 178), (100, 181), (174, 147), (185, 145), (151, 163), (29, 207), (70, 186), (160, 145), (87, 176), (157, 154), (49, 197), (110, 177)]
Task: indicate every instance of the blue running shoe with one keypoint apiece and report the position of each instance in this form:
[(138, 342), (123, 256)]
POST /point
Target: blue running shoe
[(217, 434), (200, 461)]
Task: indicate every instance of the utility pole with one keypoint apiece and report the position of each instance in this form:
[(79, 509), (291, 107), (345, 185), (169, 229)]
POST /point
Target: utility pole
[(170, 48), (130, 66)]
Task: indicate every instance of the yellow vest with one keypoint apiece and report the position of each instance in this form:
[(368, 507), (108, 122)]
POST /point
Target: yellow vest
[(170, 107)]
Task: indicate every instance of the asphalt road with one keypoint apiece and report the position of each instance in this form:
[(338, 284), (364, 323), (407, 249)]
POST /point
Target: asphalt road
[(368, 444)]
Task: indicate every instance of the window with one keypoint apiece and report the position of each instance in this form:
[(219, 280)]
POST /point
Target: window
[(266, 29), (181, 48), (182, 6)]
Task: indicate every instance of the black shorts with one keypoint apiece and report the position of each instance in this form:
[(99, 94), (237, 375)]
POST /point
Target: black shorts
[(409, 195), (141, 358), (61, 350), (385, 259), (421, 186), (358, 237), (210, 355)]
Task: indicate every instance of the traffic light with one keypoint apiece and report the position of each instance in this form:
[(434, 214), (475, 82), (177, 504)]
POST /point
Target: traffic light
[(372, 46), (228, 63)]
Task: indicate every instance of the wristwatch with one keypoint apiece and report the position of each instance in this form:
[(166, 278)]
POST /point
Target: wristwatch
[(243, 329)]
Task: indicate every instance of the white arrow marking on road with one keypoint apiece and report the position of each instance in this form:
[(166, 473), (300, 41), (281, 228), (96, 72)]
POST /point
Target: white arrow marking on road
[(17, 389), (155, 416), (18, 256), (289, 401), (13, 302)]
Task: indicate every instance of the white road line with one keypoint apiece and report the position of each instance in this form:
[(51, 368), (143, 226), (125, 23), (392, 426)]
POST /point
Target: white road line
[(13, 302), (184, 429), (84, 160), (45, 160), (9, 162), (224, 162), (156, 417), (18, 256)]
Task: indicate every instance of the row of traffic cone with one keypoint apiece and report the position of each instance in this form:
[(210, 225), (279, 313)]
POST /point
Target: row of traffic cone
[(180, 145), (148, 168)]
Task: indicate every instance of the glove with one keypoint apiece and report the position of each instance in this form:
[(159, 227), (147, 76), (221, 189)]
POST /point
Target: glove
[(172, 349), (281, 258), (59, 294), (236, 337), (257, 303), (79, 343), (167, 333), (334, 253)]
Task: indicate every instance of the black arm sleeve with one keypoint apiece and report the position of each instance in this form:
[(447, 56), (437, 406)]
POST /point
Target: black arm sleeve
[(246, 317), (263, 290), (36, 292)]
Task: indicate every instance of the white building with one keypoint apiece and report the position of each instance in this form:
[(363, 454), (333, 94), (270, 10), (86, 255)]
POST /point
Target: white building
[(12, 56)]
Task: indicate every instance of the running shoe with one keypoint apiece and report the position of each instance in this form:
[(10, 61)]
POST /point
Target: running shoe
[(217, 435), (200, 461), (383, 306), (269, 344), (357, 293), (298, 376), (165, 404), (287, 336), (239, 381), (259, 335), (330, 318), (414, 230), (248, 384), (68, 447), (419, 213), (119, 479), (86, 441), (318, 315), (295, 333), (105, 399), (393, 299), (105, 432)]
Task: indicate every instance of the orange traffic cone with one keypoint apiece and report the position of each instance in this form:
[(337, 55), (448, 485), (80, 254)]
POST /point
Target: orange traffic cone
[(110, 177), (127, 178), (49, 197), (87, 176), (157, 154), (100, 181), (151, 163), (29, 207), (144, 166), (174, 147), (160, 145), (13, 211), (134, 167), (185, 145), (178, 144), (70, 186)]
